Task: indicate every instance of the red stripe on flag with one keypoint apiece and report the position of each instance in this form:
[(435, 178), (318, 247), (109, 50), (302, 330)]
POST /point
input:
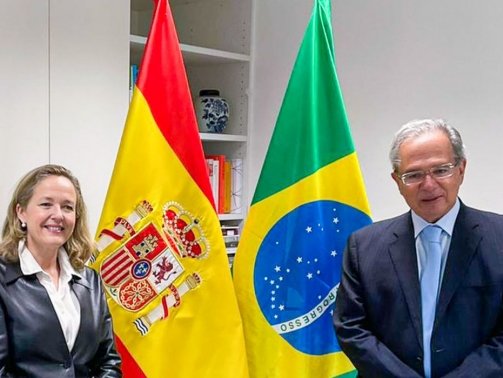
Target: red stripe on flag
[(118, 259), (117, 279), (130, 368), (163, 82), (116, 269)]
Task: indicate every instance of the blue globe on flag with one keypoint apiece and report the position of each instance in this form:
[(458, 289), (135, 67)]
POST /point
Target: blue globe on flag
[(298, 270)]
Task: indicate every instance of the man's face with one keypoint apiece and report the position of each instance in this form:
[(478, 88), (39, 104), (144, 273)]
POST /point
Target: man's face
[(432, 198)]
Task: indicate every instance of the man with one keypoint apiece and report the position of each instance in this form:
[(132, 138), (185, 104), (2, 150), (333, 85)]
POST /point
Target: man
[(411, 307)]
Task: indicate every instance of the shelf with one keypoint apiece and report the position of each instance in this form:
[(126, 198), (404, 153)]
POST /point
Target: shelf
[(146, 5), (195, 55), (228, 217), (214, 137), (231, 250)]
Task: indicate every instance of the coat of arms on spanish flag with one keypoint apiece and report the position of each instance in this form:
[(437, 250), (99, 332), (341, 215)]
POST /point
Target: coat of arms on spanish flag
[(161, 254)]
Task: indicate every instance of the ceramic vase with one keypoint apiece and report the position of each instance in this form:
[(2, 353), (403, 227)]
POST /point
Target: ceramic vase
[(212, 111)]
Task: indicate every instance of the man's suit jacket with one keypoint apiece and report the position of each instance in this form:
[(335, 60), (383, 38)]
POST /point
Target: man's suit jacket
[(378, 306), (32, 343)]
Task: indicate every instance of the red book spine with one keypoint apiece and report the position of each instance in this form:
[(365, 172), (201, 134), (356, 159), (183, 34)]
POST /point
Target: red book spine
[(221, 182)]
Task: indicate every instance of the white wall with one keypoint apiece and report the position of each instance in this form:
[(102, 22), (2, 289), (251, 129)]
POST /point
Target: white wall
[(24, 91), (396, 60), (64, 82), (89, 62), (64, 98)]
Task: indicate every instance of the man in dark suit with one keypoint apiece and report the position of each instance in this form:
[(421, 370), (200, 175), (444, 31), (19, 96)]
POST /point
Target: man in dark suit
[(395, 315)]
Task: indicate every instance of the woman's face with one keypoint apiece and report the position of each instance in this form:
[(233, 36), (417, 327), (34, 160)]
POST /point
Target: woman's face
[(49, 215)]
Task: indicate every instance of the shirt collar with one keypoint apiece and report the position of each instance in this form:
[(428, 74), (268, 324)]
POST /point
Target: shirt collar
[(446, 222), (30, 266)]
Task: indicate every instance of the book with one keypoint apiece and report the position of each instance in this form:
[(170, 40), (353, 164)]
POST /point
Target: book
[(236, 186), (213, 174), (228, 186), (133, 75), (220, 197)]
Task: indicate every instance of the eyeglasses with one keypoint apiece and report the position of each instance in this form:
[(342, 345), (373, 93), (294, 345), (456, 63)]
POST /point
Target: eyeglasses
[(439, 172)]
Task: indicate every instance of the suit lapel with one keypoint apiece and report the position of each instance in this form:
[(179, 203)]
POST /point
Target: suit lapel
[(81, 289), (465, 239), (403, 255), (40, 298)]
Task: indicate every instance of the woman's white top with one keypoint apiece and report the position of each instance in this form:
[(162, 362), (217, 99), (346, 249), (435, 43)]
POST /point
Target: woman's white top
[(64, 301)]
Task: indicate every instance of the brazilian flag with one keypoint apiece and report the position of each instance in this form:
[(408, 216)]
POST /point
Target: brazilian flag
[(309, 198)]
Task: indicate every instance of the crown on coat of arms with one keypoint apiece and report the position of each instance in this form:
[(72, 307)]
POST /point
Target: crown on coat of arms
[(185, 230)]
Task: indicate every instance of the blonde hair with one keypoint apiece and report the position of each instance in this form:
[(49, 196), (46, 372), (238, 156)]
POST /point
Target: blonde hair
[(80, 244)]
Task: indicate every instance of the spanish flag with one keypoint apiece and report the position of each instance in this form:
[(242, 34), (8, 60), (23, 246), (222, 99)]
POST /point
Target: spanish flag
[(309, 198), (161, 254)]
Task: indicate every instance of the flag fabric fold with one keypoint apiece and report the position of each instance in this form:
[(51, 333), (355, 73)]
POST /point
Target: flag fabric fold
[(309, 197), (161, 253)]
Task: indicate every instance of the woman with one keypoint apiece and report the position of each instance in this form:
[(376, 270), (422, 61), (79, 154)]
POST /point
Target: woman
[(54, 319)]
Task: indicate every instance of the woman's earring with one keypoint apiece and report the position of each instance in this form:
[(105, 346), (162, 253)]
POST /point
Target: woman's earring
[(23, 226)]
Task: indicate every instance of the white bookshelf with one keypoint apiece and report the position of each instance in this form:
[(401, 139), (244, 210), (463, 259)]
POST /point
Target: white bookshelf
[(216, 55)]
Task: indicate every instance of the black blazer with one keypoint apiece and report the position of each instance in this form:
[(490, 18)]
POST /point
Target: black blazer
[(32, 343), (378, 306)]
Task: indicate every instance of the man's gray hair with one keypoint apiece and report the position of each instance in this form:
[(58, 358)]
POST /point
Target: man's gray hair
[(415, 128)]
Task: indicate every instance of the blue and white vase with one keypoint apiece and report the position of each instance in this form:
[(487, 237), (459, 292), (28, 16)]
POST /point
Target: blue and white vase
[(212, 111)]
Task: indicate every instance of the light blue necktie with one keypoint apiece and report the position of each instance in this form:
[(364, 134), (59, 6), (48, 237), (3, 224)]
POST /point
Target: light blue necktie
[(430, 278)]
